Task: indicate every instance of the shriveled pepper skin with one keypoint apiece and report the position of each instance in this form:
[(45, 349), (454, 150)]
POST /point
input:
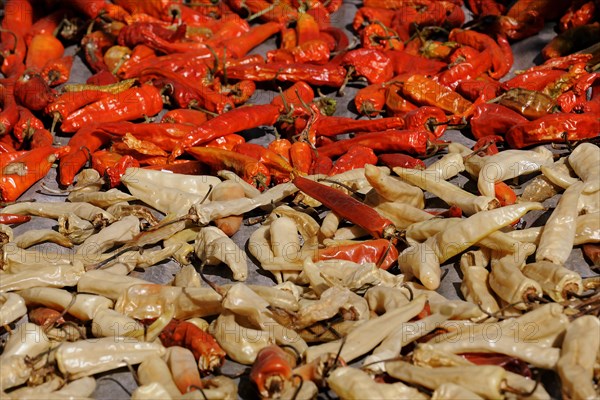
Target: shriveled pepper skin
[(134, 103), (493, 119), (370, 251), (414, 142), (553, 128)]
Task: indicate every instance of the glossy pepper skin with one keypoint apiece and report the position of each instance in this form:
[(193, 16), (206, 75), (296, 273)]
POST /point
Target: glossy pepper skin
[(356, 157), (131, 104), (370, 63), (556, 128), (414, 142), (493, 119)]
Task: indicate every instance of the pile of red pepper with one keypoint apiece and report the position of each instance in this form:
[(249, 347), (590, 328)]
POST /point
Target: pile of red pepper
[(426, 70)]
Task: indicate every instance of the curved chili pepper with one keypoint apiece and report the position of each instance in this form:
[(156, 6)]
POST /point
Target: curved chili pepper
[(347, 207), (414, 142), (93, 8), (9, 219), (94, 46), (393, 160), (368, 251), (112, 166), (366, 16), (501, 62), (577, 16), (131, 104), (102, 78), (378, 36), (472, 89), (533, 80), (234, 121), (465, 70), (13, 56), (356, 157), (281, 147), (481, 8), (166, 136), (82, 144), (321, 165), (314, 52), (395, 103), (271, 367), (556, 128), (8, 157), (20, 174), (43, 48), (491, 119), (186, 167), (297, 95), (504, 194), (249, 169), (432, 119), (487, 144)]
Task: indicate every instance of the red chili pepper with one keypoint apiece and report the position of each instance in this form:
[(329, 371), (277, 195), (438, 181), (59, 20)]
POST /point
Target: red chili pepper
[(46, 24), (395, 103), (379, 37), (228, 142), (301, 156), (272, 364), (276, 163), (366, 16), (577, 38), (529, 103), (13, 55), (112, 166), (9, 115), (592, 251), (20, 174), (493, 119), (43, 48), (577, 15), (41, 138), (592, 106), (240, 46), (533, 80), (318, 75), (373, 64), (69, 102), (18, 18), (504, 194), (87, 140), (487, 144), (321, 165), (297, 95), (185, 116), (481, 8), (501, 61), (186, 167), (26, 124), (332, 126), (465, 70), (313, 52), (563, 63), (411, 15), (486, 89), (93, 8), (102, 78), (556, 128), (569, 101), (9, 219), (167, 136), (370, 100), (185, 94), (402, 62), (426, 91), (393, 160), (131, 104), (432, 119), (414, 142), (58, 71), (281, 147), (452, 212), (7, 144), (249, 169), (356, 157), (369, 251), (8, 157), (347, 207), (33, 92), (94, 46), (234, 121)]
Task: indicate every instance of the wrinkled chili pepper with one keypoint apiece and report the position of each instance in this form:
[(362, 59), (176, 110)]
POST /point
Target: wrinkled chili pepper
[(41, 138), (432, 119), (278, 165), (9, 115), (281, 147), (249, 169), (528, 103), (577, 16), (332, 126), (370, 100), (501, 60), (373, 64), (228, 142), (369, 251), (185, 116), (402, 62), (356, 157), (26, 124), (493, 119), (414, 142), (58, 71), (533, 80), (112, 166), (572, 40), (318, 75), (43, 48), (393, 160), (321, 165), (396, 103), (32, 91), (555, 128), (87, 140), (301, 156), (94, 46), (20, 174), (472, 89), (234, 121), (131, 104), (426, 91)]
